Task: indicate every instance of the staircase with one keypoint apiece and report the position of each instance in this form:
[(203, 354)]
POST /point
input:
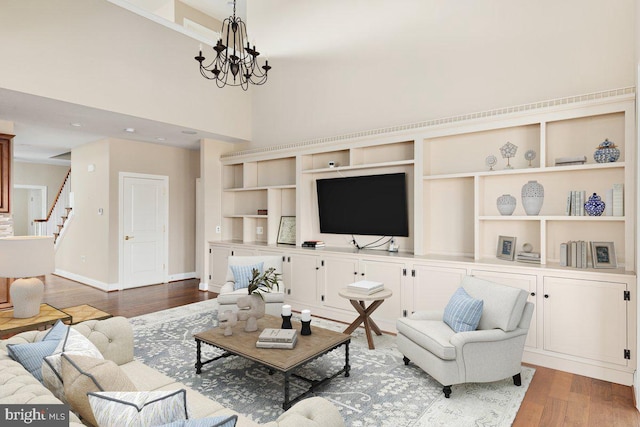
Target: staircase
[(59, 214)]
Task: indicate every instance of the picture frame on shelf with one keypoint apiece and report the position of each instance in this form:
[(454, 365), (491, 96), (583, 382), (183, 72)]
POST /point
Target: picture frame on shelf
[(603, 255), (287, 230), (506, 248)]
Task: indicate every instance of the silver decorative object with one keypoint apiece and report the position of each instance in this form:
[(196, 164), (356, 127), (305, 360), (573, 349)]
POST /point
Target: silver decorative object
[(491, 161), (530, 155), (508, 151)]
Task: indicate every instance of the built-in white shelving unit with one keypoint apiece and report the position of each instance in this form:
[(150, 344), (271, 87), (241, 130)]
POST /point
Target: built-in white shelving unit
[(585, 319)]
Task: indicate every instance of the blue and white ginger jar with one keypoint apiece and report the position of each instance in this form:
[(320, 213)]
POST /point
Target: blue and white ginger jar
[(594, 206), (607, 152)]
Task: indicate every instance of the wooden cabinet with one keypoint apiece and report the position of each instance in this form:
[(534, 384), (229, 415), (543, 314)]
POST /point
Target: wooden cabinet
[(5, 172), (218, 254)]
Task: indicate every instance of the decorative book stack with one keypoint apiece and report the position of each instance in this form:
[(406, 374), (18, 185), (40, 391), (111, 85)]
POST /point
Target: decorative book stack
[(574, 160), (312, 244), (532, 257), (365, 287), (277, 338), (575, 203), (573, 254)]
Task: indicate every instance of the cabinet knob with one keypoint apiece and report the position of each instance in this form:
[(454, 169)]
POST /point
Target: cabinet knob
[(355, 273), (533, 294), (362, 274), (546, 295)]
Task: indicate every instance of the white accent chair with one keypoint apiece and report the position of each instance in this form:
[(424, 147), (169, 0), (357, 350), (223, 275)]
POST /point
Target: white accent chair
[(228, 297), (490, 353)]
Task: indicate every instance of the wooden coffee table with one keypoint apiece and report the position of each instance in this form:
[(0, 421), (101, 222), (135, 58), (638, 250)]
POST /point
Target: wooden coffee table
[(309, 347), (80, 313), (47, 316)]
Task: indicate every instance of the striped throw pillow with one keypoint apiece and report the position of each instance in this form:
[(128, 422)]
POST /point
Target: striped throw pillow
[(243, 273), (463, 312)]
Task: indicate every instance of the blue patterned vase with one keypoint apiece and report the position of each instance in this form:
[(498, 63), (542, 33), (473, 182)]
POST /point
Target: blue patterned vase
[(594, 206), (606, 152)]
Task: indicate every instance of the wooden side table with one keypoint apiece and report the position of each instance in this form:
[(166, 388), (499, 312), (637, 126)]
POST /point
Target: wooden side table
[(48, 316), (357, 301)]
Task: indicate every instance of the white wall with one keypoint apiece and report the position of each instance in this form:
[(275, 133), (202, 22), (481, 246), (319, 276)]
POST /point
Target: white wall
[(427, 59), (94, 53), (50, 176)]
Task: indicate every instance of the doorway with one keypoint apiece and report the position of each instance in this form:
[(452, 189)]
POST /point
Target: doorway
[(29, 203), (143, 229)]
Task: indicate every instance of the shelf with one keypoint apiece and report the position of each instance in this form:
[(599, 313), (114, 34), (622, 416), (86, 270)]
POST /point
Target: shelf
[(246, 216), (548, 169), (364, 166), (549, 218), (271, 187)]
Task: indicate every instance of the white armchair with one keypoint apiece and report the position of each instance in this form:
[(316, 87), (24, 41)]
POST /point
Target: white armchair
[(490, 353), (228, 296)]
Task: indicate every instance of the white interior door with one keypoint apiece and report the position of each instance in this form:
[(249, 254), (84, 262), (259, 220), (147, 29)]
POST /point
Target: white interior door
[(144, 228)]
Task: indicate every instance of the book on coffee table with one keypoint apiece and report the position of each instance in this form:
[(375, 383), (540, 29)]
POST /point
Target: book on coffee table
[(278, 335), (365, 287), (278, 344)]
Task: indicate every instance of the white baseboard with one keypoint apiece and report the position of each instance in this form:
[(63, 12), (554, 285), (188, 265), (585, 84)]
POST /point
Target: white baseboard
[(107, 287), (182, 276), (203, 286)]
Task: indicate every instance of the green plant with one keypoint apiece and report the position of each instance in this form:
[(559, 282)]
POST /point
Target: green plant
[(264, 282)]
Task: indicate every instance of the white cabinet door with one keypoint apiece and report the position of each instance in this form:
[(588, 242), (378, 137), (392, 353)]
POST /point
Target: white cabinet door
[(302, 286), (392, 274), (338, 273), (432, 287), (522, 281), (586, 318), (218, 265)]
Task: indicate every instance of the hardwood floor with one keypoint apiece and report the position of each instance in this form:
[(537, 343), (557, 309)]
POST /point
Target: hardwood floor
[(554, 398)]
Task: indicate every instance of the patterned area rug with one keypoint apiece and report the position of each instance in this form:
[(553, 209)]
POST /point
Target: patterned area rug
[(381, 390)]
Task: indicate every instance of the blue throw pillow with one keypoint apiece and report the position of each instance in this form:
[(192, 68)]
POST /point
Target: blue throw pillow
[(224, 421), (463, 313), (30, 355), (243, 273)]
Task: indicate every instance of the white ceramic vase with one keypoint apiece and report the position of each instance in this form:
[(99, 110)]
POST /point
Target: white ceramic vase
[(532, 197), (506, 204)]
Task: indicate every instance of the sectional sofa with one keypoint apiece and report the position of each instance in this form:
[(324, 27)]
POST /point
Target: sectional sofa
[(114, 339)]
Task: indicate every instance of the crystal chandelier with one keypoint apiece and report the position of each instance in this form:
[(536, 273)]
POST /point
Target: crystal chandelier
[(236, 62)]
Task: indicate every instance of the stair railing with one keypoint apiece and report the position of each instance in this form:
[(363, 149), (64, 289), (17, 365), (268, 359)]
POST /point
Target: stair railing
[(59, 212)]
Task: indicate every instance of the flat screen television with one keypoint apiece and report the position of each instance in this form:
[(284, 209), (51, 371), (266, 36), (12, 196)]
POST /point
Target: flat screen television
[(374, 205)]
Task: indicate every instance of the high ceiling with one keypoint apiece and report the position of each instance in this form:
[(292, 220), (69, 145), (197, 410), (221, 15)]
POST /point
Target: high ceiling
[(46, 129)]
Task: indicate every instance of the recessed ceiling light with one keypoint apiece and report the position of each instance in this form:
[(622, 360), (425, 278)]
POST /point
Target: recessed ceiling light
[(130, 130), (189, 132), (160, 138), (75, 125)]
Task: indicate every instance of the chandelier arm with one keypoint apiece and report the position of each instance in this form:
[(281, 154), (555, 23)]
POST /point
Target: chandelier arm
[(234, 64)]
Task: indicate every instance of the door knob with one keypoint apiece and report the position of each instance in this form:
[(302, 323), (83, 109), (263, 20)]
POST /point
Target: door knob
[(128, 237)]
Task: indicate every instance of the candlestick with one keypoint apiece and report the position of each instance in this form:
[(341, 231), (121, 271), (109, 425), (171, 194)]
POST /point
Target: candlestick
[(286, 310), (306, 328), (286, 322), (306, 315)]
